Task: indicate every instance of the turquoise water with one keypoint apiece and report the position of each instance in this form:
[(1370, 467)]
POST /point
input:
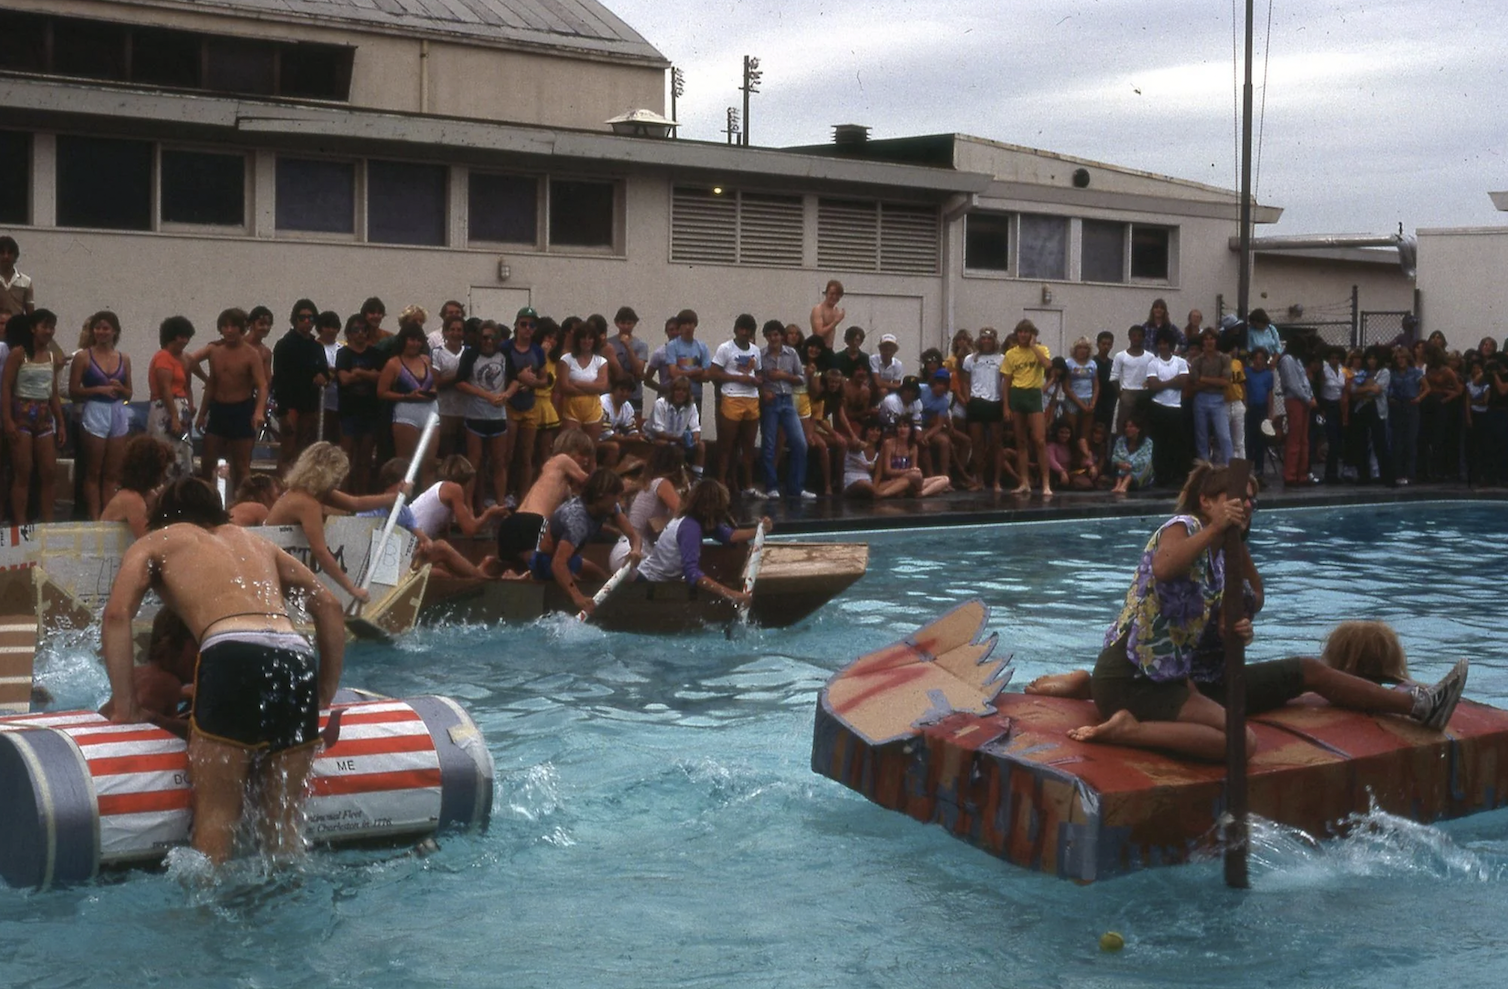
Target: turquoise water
[(657, 822)]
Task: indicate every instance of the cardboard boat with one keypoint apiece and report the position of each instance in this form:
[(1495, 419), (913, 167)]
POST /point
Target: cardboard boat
[(922, 727), (795, 580), (78, 793), (62, 572)]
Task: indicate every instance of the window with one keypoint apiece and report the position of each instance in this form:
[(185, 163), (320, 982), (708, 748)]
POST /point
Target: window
[(25, 47), (316, 196), (987, 241), (203, 188), (103, 182), (1103, 252), (406, 203), (1043, 247), (581, 214), (15, 177), (503, 209), (1151, 252), (233, 65), (92, 49), (314, 72), (165, 58)]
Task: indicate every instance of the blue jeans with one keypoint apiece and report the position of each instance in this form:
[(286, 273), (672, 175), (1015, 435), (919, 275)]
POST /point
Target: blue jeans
[(775, 414), (1209, 411)]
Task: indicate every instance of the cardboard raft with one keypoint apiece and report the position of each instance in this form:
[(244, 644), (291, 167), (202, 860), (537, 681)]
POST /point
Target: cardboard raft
[(922, 727)]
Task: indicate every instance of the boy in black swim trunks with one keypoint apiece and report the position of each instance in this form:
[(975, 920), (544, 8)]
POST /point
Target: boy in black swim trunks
[(235, 399), (258, 685)]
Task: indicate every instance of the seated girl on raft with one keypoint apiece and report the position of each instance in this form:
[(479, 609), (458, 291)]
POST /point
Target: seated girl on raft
[(1159, 682), (677, 554)]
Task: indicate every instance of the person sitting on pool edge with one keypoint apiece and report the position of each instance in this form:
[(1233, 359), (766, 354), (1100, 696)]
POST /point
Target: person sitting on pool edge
[(677, 554), (1152, 683), (572, 526)]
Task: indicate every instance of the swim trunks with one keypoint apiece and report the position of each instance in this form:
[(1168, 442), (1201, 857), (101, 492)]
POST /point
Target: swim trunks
[(257, 690), (487, 428), (518, 534), (232, 420)]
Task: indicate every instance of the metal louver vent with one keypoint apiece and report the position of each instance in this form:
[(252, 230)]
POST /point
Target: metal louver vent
[(848, 235), (703, 227), (908, 239), (770, 230)]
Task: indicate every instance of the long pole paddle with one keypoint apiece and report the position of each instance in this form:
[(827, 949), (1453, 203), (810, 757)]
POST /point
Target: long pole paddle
[(751, 574), (602, 593), (1233, 609), (430, 425)]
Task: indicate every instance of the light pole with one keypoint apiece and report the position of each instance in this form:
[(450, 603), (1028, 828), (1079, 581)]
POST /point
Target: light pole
[(677, 88), (752, 77)]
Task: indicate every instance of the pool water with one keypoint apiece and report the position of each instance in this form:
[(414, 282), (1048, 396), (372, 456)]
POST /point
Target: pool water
[(657, 822)]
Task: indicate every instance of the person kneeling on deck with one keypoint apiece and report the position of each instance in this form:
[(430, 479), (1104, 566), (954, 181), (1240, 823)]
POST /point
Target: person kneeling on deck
[(258, 687), (429, 516), (572, 526), (677, 554), (1157, 683)]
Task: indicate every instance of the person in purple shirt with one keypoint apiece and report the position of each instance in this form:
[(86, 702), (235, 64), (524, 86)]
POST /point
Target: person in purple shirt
[(677, 554)]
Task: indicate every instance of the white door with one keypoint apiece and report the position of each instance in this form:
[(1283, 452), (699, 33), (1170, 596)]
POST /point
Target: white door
[(881, 314), (498, 304), (1050, 329)]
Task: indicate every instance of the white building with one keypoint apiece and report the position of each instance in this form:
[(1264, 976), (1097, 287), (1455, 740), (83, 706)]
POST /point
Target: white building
[(166, 156)]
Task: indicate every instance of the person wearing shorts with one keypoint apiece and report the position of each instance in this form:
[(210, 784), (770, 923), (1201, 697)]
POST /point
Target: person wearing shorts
[(257, 690), (737, 365), (984, 411), (1024, 367)]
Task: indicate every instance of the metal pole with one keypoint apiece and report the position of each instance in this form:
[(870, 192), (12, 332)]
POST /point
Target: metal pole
[(1355, 316), (744, 140), (1236, 876)]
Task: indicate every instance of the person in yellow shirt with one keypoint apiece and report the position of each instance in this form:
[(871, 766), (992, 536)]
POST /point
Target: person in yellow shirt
[(1024, 372)]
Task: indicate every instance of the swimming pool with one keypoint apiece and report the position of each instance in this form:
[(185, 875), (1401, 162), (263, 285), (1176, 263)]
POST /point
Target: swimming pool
[(657, 822)]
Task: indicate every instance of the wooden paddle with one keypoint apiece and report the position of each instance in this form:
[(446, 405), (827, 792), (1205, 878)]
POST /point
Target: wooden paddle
[(358, 626), (1233, 609), (606, 589), (751, 574)]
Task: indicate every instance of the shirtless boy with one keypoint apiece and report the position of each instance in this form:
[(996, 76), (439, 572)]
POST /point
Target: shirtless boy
[(564, 473), (826, 315), (258, 686), (235, 399)]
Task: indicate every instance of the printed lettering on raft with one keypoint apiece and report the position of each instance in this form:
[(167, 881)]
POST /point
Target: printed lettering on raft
[(345, 765)]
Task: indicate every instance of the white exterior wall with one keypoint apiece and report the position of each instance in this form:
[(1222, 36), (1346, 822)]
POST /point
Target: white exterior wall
[(1461, 283), (1324, 286)]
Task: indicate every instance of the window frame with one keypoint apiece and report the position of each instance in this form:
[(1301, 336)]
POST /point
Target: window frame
[(248, 186), (153, 202), (358, 202), (1172, 231), (364, 204), (541, 216), (617, 248)]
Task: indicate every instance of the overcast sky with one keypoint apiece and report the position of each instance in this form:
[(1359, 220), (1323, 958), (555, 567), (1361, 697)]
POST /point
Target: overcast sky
[(1376, 112)]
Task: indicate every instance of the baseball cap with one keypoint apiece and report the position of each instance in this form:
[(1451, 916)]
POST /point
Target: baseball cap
[(626, 315), (941, 374), (527, 312), (889, 338)]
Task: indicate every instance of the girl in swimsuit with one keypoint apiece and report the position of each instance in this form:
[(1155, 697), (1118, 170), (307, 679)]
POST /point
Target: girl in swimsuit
[(408, 382), (897, 473), (101, 380), (32, 412)]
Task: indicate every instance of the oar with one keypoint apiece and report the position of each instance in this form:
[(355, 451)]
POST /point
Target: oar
[(751, 574), (367, 628), (606, 589), (220, 471), (1233, 610)]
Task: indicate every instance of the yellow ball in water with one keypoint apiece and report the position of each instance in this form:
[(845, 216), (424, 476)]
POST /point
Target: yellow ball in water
[(1112, 941)]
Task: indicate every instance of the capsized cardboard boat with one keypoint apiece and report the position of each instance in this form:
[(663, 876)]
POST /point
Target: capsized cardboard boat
[(923, 727), (62, 572)]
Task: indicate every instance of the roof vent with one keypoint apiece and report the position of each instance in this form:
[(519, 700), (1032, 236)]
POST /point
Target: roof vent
[(850, 135), (642, 123)]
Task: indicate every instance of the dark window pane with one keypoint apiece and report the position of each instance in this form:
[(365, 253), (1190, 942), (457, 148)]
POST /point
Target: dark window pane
[(406, 203), (1043, 248), (503, 208), (581, 214), (315, 72), (25, 42), (15, 177), (165, 58), (1149, 252), (237, 66), (103, 182), (93, 49), (1104, 252), (317, 196), (987, 241), (199, 187)]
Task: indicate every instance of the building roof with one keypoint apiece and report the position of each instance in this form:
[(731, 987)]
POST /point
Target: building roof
[(585, 25)]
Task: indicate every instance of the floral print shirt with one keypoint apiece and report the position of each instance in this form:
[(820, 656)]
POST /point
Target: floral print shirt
[(1163, 621)]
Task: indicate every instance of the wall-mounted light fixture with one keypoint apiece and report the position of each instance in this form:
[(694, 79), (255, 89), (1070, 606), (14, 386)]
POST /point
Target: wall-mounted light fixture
[(1047, 295), (504, 272)]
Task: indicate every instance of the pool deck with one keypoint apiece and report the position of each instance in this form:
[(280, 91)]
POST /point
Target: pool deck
[(828, 515)]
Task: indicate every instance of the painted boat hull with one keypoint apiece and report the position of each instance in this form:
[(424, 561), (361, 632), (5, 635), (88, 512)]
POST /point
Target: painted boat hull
[(921, 727)]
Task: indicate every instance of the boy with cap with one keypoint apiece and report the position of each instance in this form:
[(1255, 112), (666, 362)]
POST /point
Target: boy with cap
[(885, 370)]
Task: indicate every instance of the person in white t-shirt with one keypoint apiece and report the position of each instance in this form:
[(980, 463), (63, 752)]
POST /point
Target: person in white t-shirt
[(619, 422), (1167, 373), (885, 369), (1128, 370), (451, 403), (675, 419), (584, 380), (985, 410), (737, 364)]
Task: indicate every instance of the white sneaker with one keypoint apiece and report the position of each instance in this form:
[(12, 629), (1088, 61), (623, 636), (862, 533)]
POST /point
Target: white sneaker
[(771, 495), (754, 493), (807, 496)]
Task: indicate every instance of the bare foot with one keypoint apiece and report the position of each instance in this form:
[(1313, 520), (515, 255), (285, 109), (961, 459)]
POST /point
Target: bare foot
[(1120, 724), (1046, 493), (1073, 684), (1024, 491)]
